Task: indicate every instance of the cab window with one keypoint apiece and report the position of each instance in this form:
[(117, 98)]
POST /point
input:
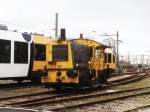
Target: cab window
[(105, 57), (114, 59), (91, 52), (40, 52), (5, 51), (109, 57), (97, 53)]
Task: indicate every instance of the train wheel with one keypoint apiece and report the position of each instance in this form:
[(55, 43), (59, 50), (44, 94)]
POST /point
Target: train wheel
[(57, 87), (91, 83), (85, 78), (36, 79), (19, 81), (103, 77)]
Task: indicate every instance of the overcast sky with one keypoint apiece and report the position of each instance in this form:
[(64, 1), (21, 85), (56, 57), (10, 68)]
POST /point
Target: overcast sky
[(130, 17)]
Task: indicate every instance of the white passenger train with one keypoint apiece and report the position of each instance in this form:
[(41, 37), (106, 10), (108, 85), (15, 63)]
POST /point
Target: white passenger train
[(19, 54)]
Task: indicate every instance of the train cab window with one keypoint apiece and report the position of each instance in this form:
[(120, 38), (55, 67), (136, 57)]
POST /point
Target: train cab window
[(20, 52), (60, 52), (109, 57), (40, 52), (105, 57), (5, 51), (97, 53), (91, 52), (114, 59)]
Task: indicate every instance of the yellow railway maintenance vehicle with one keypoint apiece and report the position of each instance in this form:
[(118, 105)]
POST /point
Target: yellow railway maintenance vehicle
[(77, 62)]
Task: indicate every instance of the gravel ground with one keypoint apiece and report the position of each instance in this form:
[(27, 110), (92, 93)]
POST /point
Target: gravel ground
[(8, 109), (142, 83), (118, 105), (121, 105), (144, 110), (6, 92)]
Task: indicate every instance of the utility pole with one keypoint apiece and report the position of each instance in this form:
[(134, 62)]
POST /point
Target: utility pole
[(128, 58), (118, 50), (56, 26)]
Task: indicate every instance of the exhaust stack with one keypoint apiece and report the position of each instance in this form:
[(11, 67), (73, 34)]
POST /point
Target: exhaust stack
[(81, 36), (63, 34)]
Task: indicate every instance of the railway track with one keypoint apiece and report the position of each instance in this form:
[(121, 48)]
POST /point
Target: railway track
[(50, 98), (37, 95), (90, 99), (138, 108), (128, 73), (14, 85), (97, 98), (79, 100), (116, 82)]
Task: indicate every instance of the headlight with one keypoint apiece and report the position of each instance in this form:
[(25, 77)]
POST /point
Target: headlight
[(77, 65)]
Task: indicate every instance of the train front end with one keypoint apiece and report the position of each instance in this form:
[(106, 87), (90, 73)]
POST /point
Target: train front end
[(61, 70)]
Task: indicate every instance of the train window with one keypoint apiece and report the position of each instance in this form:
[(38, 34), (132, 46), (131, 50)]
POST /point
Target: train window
[(114, 59), (109, 57), (91, 52), (97, 53), (20, 52), (60, 52), (105, 58), (40, 52), (75, 53), (5, 51)]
